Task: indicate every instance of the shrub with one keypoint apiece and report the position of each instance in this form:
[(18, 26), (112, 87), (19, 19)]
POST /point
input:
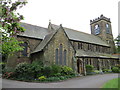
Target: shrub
[(115, 69), (46, 70), (2, 67), (8, 75), (89, 68), (42, 78), (105, 70), (56, 74), (23, 70), (8, 72), (53, 79), (96, 71), (67, 70), (56, 70), (36, 68)]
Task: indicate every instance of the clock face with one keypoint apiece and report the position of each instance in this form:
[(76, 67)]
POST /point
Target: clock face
[(97, 29), (107, 28)]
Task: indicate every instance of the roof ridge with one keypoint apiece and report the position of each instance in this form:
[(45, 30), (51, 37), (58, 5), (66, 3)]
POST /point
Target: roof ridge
[(72, 29)]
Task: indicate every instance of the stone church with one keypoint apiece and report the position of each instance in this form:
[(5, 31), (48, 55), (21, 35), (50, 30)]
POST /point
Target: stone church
[(64, 46)]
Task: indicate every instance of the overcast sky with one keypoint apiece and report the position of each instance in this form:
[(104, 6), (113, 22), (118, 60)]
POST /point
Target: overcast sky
[(75, 14)]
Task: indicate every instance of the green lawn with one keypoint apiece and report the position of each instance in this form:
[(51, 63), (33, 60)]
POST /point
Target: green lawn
[(111, 83)]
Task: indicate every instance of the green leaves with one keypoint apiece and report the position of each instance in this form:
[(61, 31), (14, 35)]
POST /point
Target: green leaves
[(10, 26), (117, 42), (11, 45)]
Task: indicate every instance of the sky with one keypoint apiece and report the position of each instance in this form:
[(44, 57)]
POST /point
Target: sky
[(74, 14)]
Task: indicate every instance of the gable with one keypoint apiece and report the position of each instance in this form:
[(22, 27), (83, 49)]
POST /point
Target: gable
[(58, 36)]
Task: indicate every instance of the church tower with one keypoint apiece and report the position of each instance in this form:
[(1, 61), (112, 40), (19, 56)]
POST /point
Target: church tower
[(102, 28)]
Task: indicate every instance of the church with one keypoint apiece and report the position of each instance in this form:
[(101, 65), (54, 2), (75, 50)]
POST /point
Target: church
[(64, 46)]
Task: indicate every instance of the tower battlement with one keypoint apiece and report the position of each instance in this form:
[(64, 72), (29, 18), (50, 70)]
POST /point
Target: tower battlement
[(100, 18)]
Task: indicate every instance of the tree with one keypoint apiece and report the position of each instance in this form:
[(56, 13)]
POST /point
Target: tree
[(10, 26), (117, 42)]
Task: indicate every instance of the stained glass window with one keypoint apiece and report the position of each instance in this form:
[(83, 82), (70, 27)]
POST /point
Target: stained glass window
[(56, 56), (65, 52), (60, 56)]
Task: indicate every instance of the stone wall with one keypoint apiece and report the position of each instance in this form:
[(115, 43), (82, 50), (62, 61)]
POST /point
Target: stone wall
[(58, 39), (18, 57)]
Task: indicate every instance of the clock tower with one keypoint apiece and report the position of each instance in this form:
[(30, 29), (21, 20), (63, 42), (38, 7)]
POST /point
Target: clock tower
[(101, 27)]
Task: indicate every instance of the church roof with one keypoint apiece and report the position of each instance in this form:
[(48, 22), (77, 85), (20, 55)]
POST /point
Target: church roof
[(81, 36), (40, 32), (34, 31), (44, 42), (82, 53)]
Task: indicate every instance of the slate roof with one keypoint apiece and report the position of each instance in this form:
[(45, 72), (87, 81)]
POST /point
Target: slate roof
[(44, 42), (81, 36), (40, 32), (82, 53), (34, 31)]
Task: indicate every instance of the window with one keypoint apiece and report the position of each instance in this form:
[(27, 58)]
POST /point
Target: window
[(97, 29), (56, 56), (65, 52), (60, 56), (25, 45), (107, 28), (81, 44), (78, 45)]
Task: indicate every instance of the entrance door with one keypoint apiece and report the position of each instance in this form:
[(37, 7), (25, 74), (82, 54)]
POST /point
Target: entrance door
[(79, 66)]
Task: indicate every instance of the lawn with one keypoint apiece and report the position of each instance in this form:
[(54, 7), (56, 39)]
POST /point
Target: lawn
[(111, 83)]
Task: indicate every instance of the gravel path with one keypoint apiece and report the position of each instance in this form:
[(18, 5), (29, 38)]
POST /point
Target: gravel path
[(94, 81)]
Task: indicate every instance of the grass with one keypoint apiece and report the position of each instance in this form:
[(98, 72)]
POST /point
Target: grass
[(111, 83)]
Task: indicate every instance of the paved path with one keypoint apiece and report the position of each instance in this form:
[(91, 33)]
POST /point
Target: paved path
[(95, 81)]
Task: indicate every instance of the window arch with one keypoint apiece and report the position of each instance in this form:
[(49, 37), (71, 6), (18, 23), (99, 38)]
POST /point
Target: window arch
[(97, 29), (107, 28), (25, 49), (65, 52)]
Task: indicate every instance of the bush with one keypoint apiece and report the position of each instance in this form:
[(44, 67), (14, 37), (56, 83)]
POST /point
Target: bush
[(2, 67), (23, 70), (42, 78), (89, 68), (28, 70), (105, 70), (115, 69), (8, 73), (96, 71), (67, 70), (56, 70), (36, 68), (53, 79), (47, 71)]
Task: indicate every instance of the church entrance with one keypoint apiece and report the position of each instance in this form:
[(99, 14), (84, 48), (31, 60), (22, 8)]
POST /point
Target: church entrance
[(79, 66)]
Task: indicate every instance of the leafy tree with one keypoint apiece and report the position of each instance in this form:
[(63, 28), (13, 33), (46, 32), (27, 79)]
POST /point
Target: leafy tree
[(117, 42), (10, 26)]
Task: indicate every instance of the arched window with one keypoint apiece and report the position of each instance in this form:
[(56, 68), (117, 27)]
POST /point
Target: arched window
[(97, 29), (56, 56), (107, 28), (65, 52), (25, 45), (60, 54)]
